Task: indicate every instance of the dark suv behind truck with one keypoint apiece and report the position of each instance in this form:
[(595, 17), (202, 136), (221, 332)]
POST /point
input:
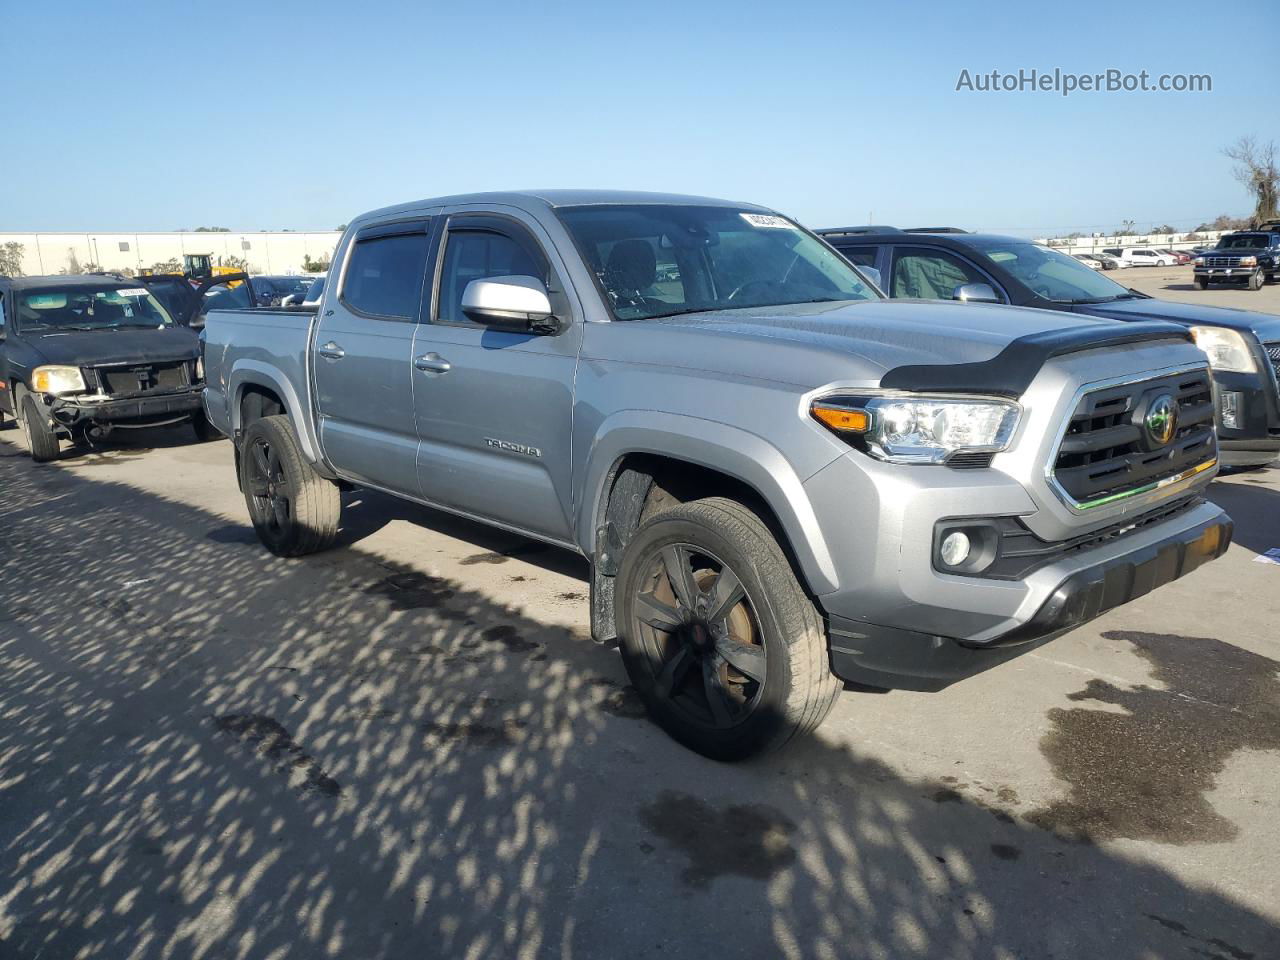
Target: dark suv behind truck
[(1251, 257), (1243, 346), (81, 356)]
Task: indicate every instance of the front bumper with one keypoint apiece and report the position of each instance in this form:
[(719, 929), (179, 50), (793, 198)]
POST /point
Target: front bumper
[(905, 659), (140, 410), (1225, 274)]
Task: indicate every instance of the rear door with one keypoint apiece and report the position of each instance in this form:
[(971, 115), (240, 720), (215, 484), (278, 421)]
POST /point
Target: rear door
[(494, 408), (362, 355)]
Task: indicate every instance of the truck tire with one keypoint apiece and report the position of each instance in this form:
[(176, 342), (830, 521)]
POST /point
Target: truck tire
[(1257, 280), (294, 510), (203, 429), (1202, 283), (719, 639), (41, 440)]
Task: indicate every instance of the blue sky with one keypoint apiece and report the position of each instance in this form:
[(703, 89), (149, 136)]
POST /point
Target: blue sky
[(129, 116)]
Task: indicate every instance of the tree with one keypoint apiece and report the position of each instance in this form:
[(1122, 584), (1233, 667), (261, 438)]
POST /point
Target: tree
[(1126, 229), (213, 229), (73, 262), (235, 263), (1256, 169), (316, 266), (172, 265), (340, 227), (1224, 222), (1164, 228), (11, 259)]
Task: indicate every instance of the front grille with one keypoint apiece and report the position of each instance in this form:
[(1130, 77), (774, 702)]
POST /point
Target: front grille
[(1222, 261), (1109, 448), (143, 378), (1020, 552), (1273, 354)]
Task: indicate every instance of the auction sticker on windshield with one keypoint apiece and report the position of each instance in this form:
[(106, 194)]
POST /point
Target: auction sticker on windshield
[(765, 220), (135, 292)]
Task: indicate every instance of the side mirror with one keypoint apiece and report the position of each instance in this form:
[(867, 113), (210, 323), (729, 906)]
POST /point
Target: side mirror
[(511, 303), (872, 274), (975, 293)]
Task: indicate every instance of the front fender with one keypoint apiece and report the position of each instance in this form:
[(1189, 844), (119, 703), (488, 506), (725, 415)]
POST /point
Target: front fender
[(737, 453), (247, 373)]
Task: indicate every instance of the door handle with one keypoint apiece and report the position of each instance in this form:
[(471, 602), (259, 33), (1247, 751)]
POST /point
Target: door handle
[(331, 351), (433, 363)]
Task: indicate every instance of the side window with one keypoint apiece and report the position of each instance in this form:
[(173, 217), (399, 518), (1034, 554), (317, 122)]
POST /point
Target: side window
[(930, 274), (475, 254), (860, 256), (2, 309), (384, 275)]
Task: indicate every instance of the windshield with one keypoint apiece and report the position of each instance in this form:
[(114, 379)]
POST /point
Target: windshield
[(1050, 274), (89, 308), (656, 260), (1244, 241)]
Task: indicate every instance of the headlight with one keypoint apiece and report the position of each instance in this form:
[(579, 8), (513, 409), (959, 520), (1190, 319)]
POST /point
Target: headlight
[(57, 380), (199, 368), (920, 429), (1248, 261), (1227, 349), (1199, 261)]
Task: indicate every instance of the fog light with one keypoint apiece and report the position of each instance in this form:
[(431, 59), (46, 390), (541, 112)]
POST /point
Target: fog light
[(955, 549), (1231, 410)]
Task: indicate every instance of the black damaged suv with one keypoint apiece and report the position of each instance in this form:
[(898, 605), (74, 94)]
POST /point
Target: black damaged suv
[(949, 264), (82, 355)]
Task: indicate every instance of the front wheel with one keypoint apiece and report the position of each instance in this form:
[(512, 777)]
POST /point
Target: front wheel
[(41, 440), (294, 510), (203, 429), (1202, 283), (1257, 280), (719, 639)]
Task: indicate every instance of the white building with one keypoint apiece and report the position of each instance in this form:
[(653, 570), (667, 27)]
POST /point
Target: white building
[(264, 252)]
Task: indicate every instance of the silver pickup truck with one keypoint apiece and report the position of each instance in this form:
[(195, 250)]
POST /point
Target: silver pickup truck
[(781, 479)]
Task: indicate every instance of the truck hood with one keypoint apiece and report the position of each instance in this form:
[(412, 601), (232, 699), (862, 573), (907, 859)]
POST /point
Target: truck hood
[(809, 344), (91, 348), (1265, 325)]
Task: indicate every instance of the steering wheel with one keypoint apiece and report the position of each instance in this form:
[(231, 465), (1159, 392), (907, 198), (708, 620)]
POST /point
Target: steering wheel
[(763, 286)]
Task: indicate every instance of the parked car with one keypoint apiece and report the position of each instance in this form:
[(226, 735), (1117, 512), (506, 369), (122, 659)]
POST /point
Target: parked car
[(1242, 346), (781, 479), (1251, 257), (82, 355), (271, 290), (308, 299), (1140, 256), (1182, 257), (1088, 261), (1108, 262)]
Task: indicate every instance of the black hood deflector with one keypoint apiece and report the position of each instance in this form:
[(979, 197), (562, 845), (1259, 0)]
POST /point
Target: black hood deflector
[(1010, 372)]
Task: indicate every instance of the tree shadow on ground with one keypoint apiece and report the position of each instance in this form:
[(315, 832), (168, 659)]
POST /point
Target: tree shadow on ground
[(208, 752)]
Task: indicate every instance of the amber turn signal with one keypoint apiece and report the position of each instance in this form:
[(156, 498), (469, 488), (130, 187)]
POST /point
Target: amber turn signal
[(841, 418)]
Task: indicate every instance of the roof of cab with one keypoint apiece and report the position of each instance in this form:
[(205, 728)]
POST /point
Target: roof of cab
[(543, 199)]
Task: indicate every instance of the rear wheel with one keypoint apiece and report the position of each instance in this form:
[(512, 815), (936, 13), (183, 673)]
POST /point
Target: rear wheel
[(41, 440), (718, 637), (294, 510)]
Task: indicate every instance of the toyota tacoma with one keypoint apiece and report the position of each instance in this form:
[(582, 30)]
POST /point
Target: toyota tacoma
[(782, 480)]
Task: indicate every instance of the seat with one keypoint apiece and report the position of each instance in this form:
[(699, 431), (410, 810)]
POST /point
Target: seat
[(631, 269)]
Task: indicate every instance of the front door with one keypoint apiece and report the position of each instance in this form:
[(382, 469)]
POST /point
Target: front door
[(362, 356), (494, 408)]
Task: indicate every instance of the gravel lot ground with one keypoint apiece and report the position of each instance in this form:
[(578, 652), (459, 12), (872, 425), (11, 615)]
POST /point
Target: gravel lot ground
[(409, 747)]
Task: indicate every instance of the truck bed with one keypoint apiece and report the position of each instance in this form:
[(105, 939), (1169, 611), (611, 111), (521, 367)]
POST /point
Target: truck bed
[(279, 341)]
